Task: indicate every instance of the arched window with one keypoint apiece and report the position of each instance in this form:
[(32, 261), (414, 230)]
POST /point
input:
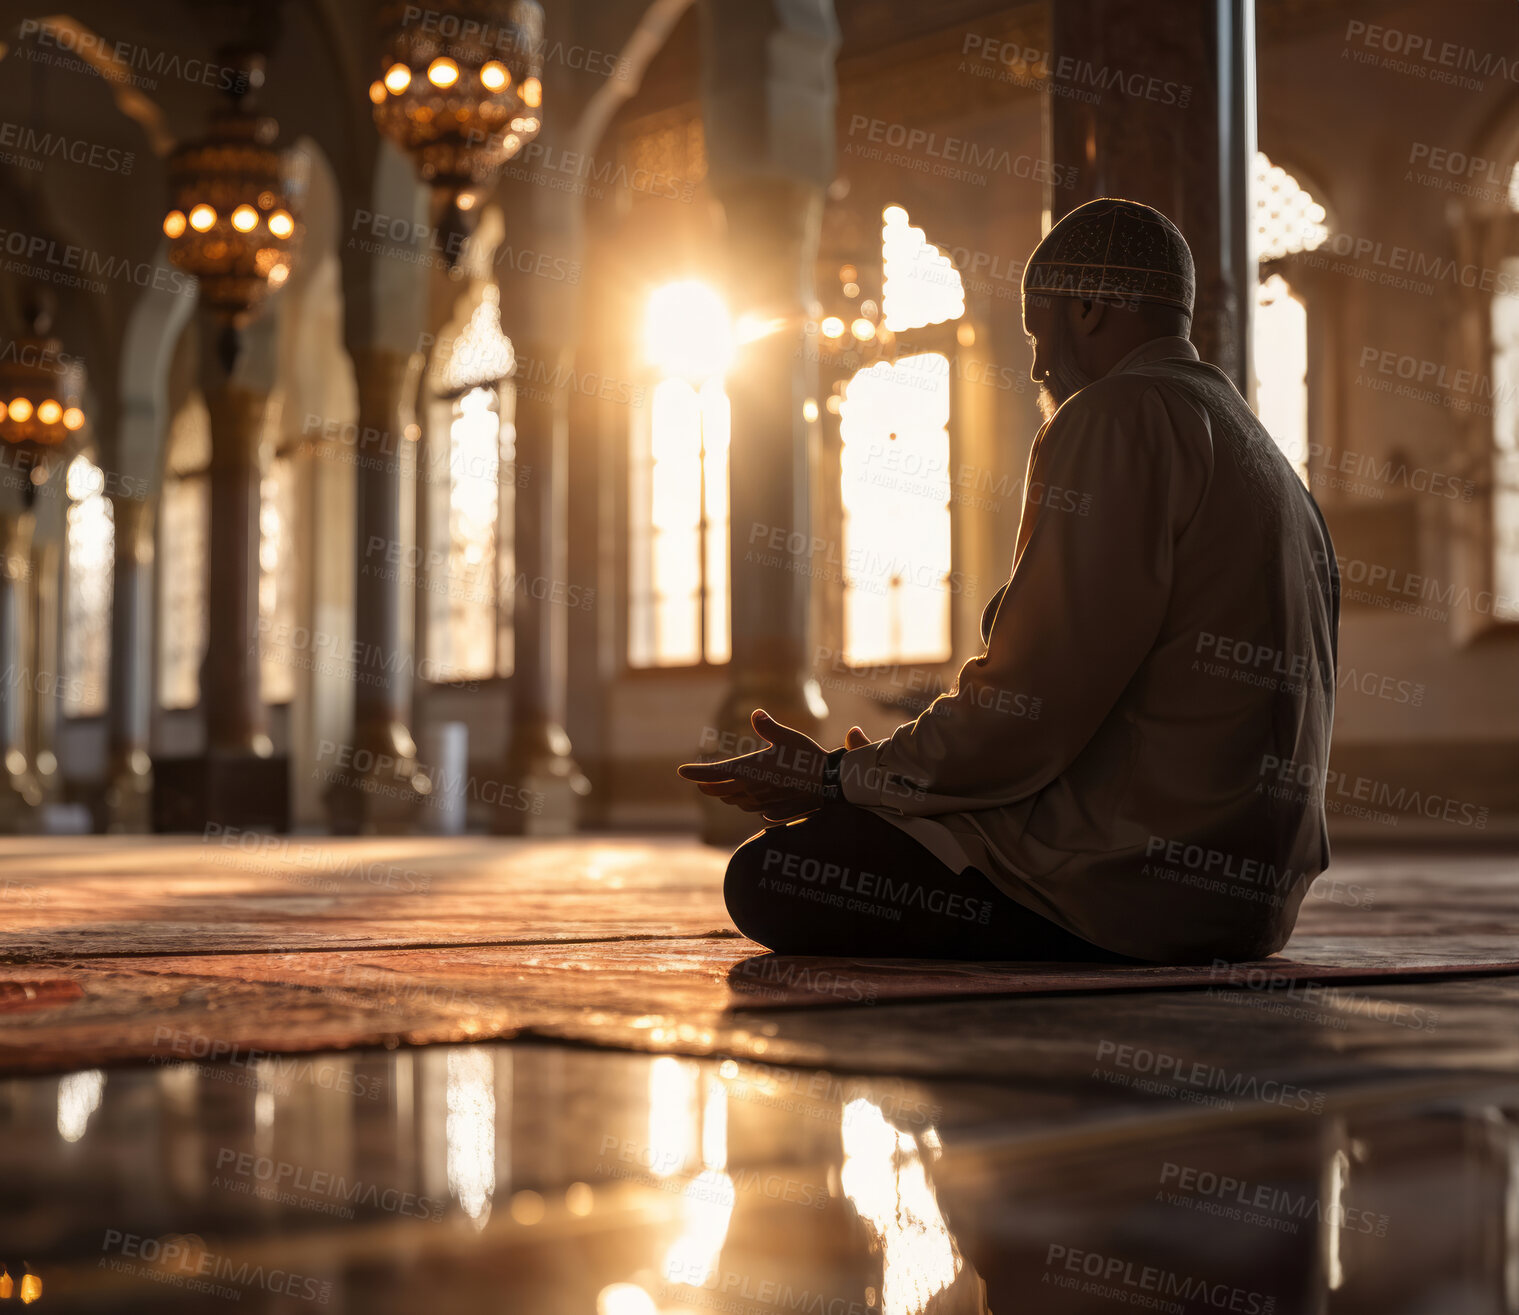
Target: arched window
[(88, 580), (470, 474), (678, 599), (895, 467), (1288, 220), (184, 526)]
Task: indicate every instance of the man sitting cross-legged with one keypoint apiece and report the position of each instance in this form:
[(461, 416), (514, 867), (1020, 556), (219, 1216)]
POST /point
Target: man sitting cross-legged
[(1134, 766)]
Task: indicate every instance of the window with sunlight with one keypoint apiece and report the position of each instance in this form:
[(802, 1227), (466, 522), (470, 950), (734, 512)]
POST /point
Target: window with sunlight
[(184, 528), (469, 473), (89, 575), (1505, 504), (1288, 219), (678, 612), (894, 427), (896, 511)]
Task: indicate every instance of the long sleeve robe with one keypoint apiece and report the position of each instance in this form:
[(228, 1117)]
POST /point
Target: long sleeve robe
[(1139, 753)]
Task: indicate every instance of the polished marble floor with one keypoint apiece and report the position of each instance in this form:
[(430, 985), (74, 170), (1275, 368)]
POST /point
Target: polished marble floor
[(566, 1181), (225, 1089)]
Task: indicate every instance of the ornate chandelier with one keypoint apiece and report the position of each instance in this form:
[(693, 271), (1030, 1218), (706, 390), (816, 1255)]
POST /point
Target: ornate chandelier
[(459, 89), (40, 390), (231, 221)]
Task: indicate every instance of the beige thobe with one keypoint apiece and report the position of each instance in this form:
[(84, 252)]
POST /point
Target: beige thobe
[(1139, 754)]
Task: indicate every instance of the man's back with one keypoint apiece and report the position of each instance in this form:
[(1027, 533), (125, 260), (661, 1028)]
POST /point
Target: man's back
[(1230, 712), (1180, 637)]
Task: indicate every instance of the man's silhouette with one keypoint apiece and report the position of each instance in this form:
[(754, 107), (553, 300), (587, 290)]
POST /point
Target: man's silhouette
[(1134, 766)]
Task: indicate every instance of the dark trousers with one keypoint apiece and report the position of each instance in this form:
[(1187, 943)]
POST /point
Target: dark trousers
[(844, 882)]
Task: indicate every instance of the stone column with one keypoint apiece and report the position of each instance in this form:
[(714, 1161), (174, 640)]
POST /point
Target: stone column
[(772, 234), (236, 720), (545, 782), (47, 689), (377, 783), (20, 793), (1178, 134), (129, 782), (768, 98)]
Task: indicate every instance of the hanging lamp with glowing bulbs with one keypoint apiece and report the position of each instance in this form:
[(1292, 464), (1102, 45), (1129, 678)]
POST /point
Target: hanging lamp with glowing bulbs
[(41, 387), (232, 220), (459, 91)]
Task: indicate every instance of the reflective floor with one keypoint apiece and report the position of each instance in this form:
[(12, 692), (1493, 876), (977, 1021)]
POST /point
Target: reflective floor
[(558, 1180)]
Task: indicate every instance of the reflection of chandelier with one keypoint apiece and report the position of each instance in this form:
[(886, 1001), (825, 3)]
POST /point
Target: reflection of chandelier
[(40, 387), (231, 223), (459, 88)]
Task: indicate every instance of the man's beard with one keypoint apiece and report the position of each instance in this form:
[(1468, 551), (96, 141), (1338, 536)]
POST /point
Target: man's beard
[(1064, 377)]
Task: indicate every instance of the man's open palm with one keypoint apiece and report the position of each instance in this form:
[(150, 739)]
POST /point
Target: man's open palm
[(780, 783)]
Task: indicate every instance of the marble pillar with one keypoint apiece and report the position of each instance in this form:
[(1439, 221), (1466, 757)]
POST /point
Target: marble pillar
[(544, 783), (772, 234), (1173, 127), (236, 719), (46, 701), (20, 792), (129, 779), (768, 95), (376, 783)]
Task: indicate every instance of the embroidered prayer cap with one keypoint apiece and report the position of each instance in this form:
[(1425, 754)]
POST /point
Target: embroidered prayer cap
[(1114, 250)]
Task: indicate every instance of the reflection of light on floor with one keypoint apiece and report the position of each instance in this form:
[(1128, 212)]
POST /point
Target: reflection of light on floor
[(714, 1126), (1339, 1170), (471, 1131), (709, 1197), (263, 1108), (884, 1178), (78, 1098), (672, 1114), (624, 1299)]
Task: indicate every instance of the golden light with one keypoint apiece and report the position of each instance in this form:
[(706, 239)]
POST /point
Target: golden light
[(7, 1285), (49, 412), (532, 93), (73, 418), (245, 219), (965, 335), (377, 92), (202, 217), (863, 329), (281, 224), (579, 1199), (494, 75), (278, 274), (31, 1288), (624, 1299), (174, 223), (527, 1207), (834, 404), (397, 79), (810, 410), (848, 274), (687, 333), (833, 327), (20, 410), (442, 72), (851, 290), (465, 200)]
